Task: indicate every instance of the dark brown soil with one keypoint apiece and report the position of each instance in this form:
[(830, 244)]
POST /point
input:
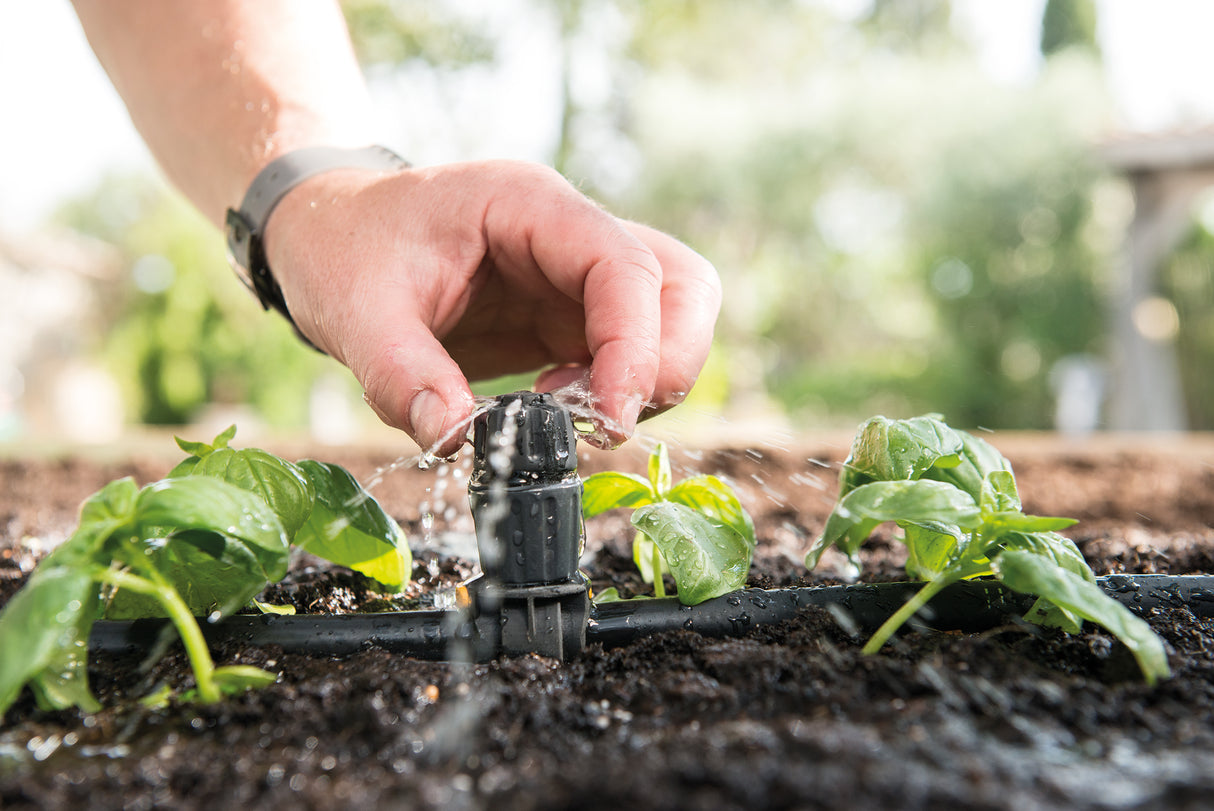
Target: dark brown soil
[(790, 716)]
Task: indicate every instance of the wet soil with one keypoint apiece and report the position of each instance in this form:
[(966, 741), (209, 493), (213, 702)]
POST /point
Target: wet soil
[(789, 716)]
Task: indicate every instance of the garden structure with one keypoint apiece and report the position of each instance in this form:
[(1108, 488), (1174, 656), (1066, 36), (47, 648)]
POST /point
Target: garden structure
[(1168, 172), (782, 714)]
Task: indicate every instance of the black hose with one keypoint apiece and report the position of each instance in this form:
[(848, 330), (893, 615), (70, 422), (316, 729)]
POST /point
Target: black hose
[(431, 635), (967, 606)]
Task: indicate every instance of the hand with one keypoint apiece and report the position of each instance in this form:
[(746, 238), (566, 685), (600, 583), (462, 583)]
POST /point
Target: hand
[(422, 280)]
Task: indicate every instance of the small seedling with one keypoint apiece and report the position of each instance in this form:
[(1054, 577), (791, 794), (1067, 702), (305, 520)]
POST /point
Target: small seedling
[(696, 530), (200, 543), (956, 501)]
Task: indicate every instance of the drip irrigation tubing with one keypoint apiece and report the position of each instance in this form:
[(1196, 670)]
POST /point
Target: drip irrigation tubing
[(968, 606)]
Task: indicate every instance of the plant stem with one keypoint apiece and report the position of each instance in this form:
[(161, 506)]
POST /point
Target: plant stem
[(907, 611), (659, 587), (187, 627)]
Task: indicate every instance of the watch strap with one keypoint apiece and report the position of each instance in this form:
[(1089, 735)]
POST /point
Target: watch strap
[(246, 225)]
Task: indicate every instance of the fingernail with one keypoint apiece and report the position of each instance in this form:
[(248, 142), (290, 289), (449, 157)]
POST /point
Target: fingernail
[(427, 413), (630, 413)]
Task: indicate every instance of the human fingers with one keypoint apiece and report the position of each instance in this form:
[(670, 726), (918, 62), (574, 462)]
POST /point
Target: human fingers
[(623, 331), (593, 258), (413, 384), (690, 302), (563, 376), (340, 251)]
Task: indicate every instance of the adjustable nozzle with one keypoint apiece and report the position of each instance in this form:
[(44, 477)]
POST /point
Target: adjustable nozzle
[(526, 501), (538, 432), (525, 492)]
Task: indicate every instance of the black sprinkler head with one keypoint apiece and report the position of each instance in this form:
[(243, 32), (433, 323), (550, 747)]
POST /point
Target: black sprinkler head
[(525, 492), (526, 502)]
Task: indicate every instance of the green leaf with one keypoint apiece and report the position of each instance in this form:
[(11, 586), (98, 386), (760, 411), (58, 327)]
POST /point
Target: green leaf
[(201, 503), (273, 608), (1059, 549), (277, 482), (64, 683), (715, 499), (1019, 522), (233, 679), (707, 558), (230, 680), (1046, 614), (999, 493), (659, 470), (198, 450), (348, 527), (956, 499), (215, 543), (201, 449), (708, 497), (208, 572), (898, 450), (612, 595), (978, 460), (1032, 573), (607, 491), (392, 569), (44, 637), (183, 468), (1000, 504), (49, 619), (932, 548), (109, 511), (923, 502), (1063, 552), (158, 699)]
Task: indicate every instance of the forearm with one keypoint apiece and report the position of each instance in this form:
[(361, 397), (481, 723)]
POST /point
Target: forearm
[(218, 88)]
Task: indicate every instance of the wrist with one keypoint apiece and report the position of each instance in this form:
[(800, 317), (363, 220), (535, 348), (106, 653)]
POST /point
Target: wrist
[(246, 225)]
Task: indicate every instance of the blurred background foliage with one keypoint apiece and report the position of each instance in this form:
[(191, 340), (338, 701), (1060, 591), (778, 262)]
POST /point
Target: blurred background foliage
[(895, 231), (183, 334)]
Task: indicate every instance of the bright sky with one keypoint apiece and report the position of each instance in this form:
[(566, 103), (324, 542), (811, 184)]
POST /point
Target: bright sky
[(64, 126)]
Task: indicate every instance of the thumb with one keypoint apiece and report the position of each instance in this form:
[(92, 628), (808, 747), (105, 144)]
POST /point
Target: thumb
[(413, 384)]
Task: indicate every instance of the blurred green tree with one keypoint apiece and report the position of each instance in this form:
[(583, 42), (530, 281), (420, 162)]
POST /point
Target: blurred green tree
[(392, 32), (1069, 24), (919, 27), (895, 231), (185, 334), (1004, 251)]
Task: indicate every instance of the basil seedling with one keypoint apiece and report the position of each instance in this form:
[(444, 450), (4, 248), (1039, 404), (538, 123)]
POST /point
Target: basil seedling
[(956, 501), (200, 543), (696, 530)]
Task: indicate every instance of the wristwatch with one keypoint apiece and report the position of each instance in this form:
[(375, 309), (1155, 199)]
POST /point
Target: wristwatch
[(246, 225)]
